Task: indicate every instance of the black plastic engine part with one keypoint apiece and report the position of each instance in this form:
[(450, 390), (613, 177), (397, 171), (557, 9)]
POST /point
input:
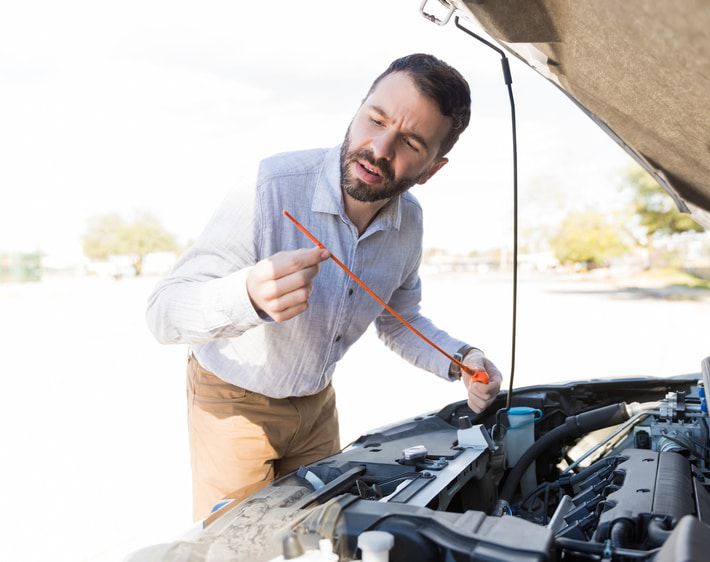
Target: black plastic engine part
[(574, 426), (425, 535), (648, 484)]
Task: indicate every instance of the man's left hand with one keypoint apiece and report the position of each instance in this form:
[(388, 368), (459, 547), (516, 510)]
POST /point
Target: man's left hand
[(480, 395)]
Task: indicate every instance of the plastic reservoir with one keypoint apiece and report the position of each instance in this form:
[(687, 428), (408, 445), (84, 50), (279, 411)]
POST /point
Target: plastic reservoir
[(519, 438)]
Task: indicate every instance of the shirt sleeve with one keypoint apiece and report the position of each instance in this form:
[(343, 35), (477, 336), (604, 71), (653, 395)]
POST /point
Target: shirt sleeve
[(205, 296), (405, 300)]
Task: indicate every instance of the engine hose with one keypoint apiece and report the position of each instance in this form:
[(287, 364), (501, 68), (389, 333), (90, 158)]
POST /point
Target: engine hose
[(600, 549), (620, 533), (574, 426), (657, 532)]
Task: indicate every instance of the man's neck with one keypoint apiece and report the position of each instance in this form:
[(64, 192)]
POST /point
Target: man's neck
[(361, 213)]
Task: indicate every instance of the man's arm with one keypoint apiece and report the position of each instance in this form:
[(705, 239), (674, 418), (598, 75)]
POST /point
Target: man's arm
[(402, 341), (411, 347), (205, 296), (218, 289), (405, 300)]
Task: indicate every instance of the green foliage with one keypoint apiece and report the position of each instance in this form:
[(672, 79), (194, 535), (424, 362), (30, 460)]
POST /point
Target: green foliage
[(655, 210), (588, 238), (109, 235)]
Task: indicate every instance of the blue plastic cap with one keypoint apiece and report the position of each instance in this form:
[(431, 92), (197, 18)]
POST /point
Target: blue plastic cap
[(522, 411)]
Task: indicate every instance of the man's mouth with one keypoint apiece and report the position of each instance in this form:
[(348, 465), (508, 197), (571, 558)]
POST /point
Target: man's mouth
[(367, 172)]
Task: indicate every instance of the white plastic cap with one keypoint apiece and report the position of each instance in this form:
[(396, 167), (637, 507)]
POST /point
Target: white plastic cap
[(375, 541)]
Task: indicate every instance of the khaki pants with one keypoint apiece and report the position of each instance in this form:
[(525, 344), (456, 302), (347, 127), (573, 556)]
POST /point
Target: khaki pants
[(241, 440)]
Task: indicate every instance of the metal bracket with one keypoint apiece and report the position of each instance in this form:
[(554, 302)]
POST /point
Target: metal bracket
[(432, 18)]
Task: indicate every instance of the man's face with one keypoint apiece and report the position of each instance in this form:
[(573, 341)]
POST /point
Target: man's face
[(393, 141)]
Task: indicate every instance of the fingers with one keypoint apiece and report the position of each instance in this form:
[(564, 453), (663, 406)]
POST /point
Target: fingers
[(493, 371), (475, 360), (281, 285), (289, 313), (285, 263), (476, 404), (294, 298), (480, 395), (483, 391), (275, 288)]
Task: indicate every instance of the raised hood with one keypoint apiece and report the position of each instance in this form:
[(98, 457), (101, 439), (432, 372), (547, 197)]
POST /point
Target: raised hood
[(640, 69)]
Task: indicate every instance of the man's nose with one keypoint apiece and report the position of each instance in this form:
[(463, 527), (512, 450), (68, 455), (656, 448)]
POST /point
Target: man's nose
[(383, 145)]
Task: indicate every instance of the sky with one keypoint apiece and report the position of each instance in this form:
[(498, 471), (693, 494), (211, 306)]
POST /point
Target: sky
[(166, 106)]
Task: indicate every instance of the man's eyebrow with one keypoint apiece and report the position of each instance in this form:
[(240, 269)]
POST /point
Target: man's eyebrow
[(415, 136)]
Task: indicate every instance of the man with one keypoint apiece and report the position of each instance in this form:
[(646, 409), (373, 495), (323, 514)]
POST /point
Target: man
[(267, 317)]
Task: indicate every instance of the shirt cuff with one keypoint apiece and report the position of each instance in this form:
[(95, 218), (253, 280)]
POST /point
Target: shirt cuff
[(443, 365), (235, 302)]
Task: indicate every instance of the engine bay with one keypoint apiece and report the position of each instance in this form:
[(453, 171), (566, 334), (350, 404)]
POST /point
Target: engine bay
[(613, 470)]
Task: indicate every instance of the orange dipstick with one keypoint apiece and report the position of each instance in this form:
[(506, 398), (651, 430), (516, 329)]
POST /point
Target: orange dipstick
[(476, 375)]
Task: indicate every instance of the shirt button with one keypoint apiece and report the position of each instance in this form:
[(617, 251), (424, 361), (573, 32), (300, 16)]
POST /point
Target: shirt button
[(350, 292), (337, 338)]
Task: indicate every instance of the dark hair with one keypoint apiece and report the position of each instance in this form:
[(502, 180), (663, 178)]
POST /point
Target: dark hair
[(441, 83)]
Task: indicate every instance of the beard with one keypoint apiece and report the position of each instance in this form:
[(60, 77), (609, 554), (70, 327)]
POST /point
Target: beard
[(357, 189)]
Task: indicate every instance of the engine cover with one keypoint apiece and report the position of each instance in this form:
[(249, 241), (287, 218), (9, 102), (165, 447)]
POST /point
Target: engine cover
[(651, 484)]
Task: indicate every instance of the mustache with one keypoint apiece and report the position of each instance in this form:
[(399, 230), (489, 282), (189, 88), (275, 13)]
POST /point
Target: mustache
[(380, 163)]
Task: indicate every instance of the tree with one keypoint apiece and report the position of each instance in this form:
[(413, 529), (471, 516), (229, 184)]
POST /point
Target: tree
[(109, 235), (655, 211), (588, 238)]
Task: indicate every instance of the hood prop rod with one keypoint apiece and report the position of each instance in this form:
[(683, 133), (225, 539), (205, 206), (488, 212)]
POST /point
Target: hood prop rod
[(499, 429)]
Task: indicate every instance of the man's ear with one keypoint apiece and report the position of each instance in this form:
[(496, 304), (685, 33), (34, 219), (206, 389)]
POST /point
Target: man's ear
[(435, 167)]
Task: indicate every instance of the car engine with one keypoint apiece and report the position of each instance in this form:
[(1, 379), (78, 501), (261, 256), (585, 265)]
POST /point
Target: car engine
[(613, 470)]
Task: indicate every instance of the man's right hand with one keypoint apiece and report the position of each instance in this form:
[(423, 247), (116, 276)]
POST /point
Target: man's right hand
[(281, 285)]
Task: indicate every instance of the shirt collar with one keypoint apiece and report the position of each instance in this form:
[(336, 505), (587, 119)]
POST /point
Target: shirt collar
[(328, 196)]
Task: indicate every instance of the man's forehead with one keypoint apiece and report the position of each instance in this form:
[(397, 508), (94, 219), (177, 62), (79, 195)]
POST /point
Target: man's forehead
[(400, 88)]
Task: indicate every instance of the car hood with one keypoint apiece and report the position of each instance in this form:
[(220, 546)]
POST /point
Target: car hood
[(640, 70)]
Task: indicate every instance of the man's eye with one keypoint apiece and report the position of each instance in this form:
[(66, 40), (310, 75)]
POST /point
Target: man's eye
[(377, 122), (410, 144)]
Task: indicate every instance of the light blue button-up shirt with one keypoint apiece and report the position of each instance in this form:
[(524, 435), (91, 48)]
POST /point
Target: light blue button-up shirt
[(204, 302)]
